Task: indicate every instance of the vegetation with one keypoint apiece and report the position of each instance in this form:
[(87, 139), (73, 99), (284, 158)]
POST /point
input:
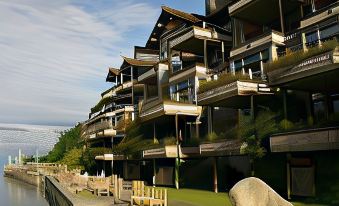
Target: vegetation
[(72, 159), (223, 79), (68, 140), (88, 158), (136, 139), (100, 104), (254, 131), (293, 58), (192, 197)]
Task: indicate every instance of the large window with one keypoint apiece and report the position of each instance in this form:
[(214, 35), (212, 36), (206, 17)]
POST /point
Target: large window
[(183, 91)]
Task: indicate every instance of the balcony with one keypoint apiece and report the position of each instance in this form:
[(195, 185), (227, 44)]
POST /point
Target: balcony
[(222, 148), (158, 108), (321, 15), (190, 39), (100, 129), (258, 44), (306, 140), (231, 91), (171, 151), (306, 69), (196, 69), (250, 10)]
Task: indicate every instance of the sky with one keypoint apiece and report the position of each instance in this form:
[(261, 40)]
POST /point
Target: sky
[(54, 55)]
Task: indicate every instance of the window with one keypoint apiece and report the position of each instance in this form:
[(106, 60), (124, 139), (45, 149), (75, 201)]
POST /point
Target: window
[(176, 63), (183, 91), (312, 39), (329, 32), (237, 65)]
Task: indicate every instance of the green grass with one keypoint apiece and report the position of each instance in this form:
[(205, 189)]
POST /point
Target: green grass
[(190, 197)]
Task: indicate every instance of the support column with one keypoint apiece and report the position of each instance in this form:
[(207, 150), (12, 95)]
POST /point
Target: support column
[(154, 172), (285, 103), (132, 86), (309, 110), (252, 107), (288, 176), (215, 174), (281, 17), (112, 168), (177, 160), (154, 133), (210, 119), (223, 51), (205, 54)]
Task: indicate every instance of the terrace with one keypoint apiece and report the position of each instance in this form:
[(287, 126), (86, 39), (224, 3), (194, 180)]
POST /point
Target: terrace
[(257, 44), (231, 90), (304, 69)]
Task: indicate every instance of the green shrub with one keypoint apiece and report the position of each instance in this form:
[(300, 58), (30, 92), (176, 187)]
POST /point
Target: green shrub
[(211, 137), (286, 124)]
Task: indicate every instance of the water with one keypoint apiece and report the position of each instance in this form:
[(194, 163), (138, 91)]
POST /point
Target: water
[(28, 138)]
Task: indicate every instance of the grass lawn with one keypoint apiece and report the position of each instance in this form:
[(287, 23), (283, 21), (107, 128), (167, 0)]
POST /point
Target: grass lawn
[(190, 197)]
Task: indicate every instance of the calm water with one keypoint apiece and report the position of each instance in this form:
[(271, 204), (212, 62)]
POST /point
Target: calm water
[(28, 138)]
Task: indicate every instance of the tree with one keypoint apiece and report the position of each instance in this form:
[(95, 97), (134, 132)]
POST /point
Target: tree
[(253, 132), (68, 140)]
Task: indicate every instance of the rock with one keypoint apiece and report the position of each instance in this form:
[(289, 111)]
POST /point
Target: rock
[(254, 192)]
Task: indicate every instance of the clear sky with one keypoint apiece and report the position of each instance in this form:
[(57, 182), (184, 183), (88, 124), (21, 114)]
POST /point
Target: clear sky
[(54, 55)]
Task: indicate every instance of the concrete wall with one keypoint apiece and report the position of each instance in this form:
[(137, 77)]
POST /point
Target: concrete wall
[(56, 195)]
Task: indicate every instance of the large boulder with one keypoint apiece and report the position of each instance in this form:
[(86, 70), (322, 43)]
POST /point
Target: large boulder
[(254, 192)]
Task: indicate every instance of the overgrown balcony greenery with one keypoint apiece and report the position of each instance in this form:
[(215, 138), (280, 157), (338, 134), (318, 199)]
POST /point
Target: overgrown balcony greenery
[(101, 103), (294, 58), (222, 80)]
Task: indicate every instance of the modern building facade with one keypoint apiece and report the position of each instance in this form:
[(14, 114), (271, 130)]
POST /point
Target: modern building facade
[(184, 95)]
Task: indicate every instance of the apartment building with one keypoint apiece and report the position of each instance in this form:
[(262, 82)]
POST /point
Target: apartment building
[(198, 76)]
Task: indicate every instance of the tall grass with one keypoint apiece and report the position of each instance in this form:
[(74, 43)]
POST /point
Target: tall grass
[(223, 79), (294, 58)]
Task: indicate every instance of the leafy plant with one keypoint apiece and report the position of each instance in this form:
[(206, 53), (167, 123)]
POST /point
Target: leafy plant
[(253, 132)]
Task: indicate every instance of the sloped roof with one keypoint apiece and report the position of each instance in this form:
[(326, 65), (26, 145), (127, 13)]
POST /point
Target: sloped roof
[(111, 73), (180, 14), (137, 62), (166, 15), (113, 70)]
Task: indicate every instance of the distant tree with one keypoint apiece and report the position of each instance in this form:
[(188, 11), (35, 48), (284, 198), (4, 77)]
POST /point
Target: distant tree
[(68, 140), (72, 159)]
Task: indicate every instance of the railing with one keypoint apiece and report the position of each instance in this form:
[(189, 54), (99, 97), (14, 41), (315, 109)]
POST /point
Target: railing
[(99, 127), (271, 35)]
